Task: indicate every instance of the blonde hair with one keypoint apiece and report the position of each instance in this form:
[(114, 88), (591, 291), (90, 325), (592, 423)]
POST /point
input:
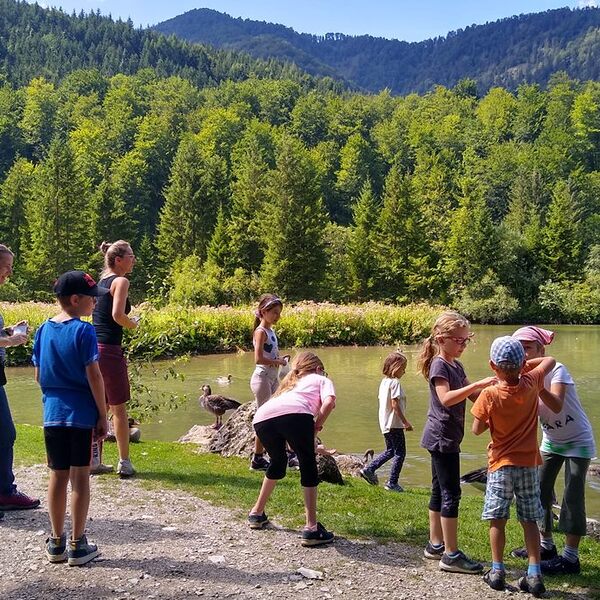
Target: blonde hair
[(446, 323), (303, 364), (111, 251), (393, 363)]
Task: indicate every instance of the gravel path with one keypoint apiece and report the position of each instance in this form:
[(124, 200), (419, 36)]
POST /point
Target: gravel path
[(169, 544)]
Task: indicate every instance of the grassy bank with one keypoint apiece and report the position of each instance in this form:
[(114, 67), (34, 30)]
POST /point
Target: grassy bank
[(174, 330), (355, 509)]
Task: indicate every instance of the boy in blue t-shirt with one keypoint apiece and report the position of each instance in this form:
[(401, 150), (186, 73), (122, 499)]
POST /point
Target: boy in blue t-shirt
[(65, 355)]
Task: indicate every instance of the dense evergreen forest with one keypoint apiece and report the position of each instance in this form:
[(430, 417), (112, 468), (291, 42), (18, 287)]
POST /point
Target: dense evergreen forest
[(35, 41), (521, 49), (489, 203)]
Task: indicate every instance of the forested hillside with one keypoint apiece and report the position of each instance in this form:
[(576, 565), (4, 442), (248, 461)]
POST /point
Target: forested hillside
[(225, 190), (36, 42), (520, 49)]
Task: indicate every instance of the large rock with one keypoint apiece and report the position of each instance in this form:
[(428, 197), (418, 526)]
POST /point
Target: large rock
[(236, 437)]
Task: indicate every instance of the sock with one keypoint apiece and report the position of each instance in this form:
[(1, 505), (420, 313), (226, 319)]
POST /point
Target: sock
[(454, 554), (498, 566), (547, 543), (571, 553), (436, 546), (533, 570)]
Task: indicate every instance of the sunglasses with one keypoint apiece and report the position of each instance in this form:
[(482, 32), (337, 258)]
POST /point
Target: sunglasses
[(461, 341)]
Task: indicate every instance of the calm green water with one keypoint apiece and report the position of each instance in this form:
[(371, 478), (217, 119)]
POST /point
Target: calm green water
[(356, 372)]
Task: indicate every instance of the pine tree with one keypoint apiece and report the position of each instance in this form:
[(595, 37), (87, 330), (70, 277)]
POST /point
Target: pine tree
[(561, 248), (295, 262), (15, 193), (58, 218), (192, 199), (362, 249), (218, 249)]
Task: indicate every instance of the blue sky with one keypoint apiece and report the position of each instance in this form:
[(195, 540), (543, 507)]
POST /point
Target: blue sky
[(408, 20)]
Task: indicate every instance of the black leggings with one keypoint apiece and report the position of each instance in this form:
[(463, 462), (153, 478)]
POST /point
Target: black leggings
[(297, 430), (445, 483)]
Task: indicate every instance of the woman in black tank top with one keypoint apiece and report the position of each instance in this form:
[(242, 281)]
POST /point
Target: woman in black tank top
[(109, 318)]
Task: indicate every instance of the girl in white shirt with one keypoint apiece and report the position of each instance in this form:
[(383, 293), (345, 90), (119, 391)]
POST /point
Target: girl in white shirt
[(392, 421)]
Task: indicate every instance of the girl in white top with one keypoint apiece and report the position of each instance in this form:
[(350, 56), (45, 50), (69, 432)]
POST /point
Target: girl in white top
[(293, 416), (392, 421), (567, 438), (264, 380)]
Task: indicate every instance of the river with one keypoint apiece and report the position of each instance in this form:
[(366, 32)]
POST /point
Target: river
[(356, 372)]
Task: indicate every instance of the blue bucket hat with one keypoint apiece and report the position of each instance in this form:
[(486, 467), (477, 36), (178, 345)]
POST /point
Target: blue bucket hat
[(507, 350)]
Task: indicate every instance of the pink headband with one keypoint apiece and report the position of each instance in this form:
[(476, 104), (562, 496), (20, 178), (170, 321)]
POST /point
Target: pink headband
[(531, 333)]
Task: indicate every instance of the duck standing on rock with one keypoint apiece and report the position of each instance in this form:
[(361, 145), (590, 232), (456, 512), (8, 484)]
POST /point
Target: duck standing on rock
[(216, 404)]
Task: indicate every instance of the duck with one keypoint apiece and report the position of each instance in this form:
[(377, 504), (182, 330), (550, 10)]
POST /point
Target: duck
[(216, 404), (224, 380)]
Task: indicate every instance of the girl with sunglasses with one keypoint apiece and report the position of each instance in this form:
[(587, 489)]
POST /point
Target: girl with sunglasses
[(444, 430)]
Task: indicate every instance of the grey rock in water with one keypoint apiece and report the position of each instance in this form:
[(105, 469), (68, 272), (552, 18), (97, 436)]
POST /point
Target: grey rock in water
[(236, 437)]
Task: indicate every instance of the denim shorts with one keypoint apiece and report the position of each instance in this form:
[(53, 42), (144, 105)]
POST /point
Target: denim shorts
[(523, 484)]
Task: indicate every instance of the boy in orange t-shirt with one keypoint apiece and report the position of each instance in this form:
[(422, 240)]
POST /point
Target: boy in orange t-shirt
[(510, 410)]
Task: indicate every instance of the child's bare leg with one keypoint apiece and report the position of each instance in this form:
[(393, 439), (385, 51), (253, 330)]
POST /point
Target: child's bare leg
[(532, 541), (80, 499), (436, 536), (57, 500), (258, 447), (266, 489), (450, 533), (498, 539), (121, 424), (310, 506)]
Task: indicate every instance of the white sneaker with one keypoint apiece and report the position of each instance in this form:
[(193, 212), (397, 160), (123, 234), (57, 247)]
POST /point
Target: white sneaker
[(125, 468)]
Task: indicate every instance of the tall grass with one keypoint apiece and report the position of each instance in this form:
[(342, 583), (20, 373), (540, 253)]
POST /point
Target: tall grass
[(176, 330)]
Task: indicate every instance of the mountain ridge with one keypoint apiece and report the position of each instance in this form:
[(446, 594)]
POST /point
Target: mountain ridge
[(524, 48)]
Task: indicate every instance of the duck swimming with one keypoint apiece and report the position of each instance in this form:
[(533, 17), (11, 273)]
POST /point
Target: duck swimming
[(222, 380), (216, 404)]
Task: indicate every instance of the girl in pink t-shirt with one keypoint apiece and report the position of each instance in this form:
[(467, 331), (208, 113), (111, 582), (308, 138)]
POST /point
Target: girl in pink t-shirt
[(294, 414)]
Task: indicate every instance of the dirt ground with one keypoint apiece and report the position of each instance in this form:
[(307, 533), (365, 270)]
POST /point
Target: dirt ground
[(169, 544)]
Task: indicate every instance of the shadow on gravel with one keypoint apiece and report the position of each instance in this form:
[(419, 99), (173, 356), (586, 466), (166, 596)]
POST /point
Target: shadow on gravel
[(379, 554), (198, 568), (30, 520), (45, 590)]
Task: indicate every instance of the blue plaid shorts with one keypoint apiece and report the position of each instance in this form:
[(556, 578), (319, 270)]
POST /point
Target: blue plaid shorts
[(523, 484)]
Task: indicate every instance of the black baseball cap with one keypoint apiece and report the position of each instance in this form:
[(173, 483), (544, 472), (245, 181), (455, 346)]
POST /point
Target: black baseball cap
[(78, 282)]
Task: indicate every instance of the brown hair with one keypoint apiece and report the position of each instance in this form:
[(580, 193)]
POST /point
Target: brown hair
[(5, 250), (393, 363), (303, 364), (265, 302), (446, 323), (111, 251)]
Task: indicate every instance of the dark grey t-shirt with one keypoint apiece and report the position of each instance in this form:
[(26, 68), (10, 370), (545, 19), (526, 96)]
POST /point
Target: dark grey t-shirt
[(445, 426)]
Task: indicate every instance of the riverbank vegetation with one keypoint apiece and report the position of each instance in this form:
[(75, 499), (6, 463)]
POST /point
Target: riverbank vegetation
[(355, 509), (177, 330), (227, 188)]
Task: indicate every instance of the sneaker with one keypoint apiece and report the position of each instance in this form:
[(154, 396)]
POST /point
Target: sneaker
[(259, 463), (432, 552), (293, 462), (80, 552), (125, 468), (316, 538), (532, 584), (258, 521), (369, 476), (545, 554), (393, 487), (17, 501), (496, 579), (460, 563), (101, 469), (560, 566), (56, 549)]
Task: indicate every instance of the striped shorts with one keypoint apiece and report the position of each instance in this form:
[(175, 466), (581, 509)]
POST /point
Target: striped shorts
[(506, 483)]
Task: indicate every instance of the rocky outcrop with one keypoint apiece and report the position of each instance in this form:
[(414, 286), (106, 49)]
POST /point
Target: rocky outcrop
[(236, 437)]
